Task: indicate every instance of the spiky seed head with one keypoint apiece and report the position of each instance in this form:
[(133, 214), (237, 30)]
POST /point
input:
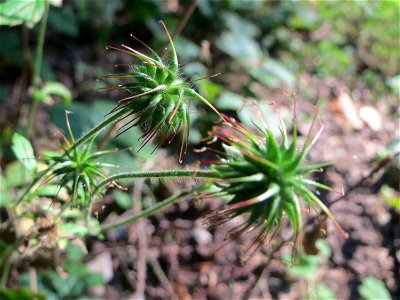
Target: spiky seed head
[(78, 169), (265, 178), (158, 96)]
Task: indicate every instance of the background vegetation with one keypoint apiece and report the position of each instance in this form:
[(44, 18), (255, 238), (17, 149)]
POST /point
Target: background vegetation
[(340, 56)]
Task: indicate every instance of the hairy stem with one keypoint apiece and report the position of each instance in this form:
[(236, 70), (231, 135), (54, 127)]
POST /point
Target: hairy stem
[(37, 67), (157, 174), (206, 102)]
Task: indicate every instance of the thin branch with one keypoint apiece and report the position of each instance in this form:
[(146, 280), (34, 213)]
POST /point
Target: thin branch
[(177, 31), (37, 67), (382, 164)]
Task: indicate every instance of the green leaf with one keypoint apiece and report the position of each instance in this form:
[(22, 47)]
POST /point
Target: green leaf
[(186, 48), (123, 199), (4, 193), (230, 101), (323, 247), (325, 292), (74, 229), (372, 288), (74, 253), (50, 190), (307, 267), (240, 25), (13, 52), (54, 88), (390, 196), (209, 89), (309, 264), (64, 21), (239, 46), (272, 73), (20, 294), (394, 84), (93, 279), (305, 19), (195, 70), (16, 175), (23, 151), (14, 13)]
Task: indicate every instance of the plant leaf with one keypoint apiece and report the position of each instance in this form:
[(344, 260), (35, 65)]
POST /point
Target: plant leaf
[(14, 13), (123, 199), (325, 292), (23, 150), (373, 288), (55, 88)]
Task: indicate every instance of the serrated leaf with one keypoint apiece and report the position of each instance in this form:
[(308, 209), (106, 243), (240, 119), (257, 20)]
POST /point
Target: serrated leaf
[(23, 151), (14, 13)]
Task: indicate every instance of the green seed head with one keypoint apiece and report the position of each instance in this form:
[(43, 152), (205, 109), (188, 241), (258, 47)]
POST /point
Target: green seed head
[(265, 178), (77, 169), (158, 96)]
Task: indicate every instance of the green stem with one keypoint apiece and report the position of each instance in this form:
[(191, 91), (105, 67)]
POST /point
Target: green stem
[(37, 67), (206, 102), (87, 136), (7, 262), (147, 212), (157, 174)]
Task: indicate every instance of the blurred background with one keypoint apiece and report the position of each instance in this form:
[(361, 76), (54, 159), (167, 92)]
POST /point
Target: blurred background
[(341, 57)]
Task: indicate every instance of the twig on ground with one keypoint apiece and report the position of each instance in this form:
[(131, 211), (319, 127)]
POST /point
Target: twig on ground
[(248, 294), (33, 279), (382, 164), (162, 277), (124, 267), (142, 238)]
